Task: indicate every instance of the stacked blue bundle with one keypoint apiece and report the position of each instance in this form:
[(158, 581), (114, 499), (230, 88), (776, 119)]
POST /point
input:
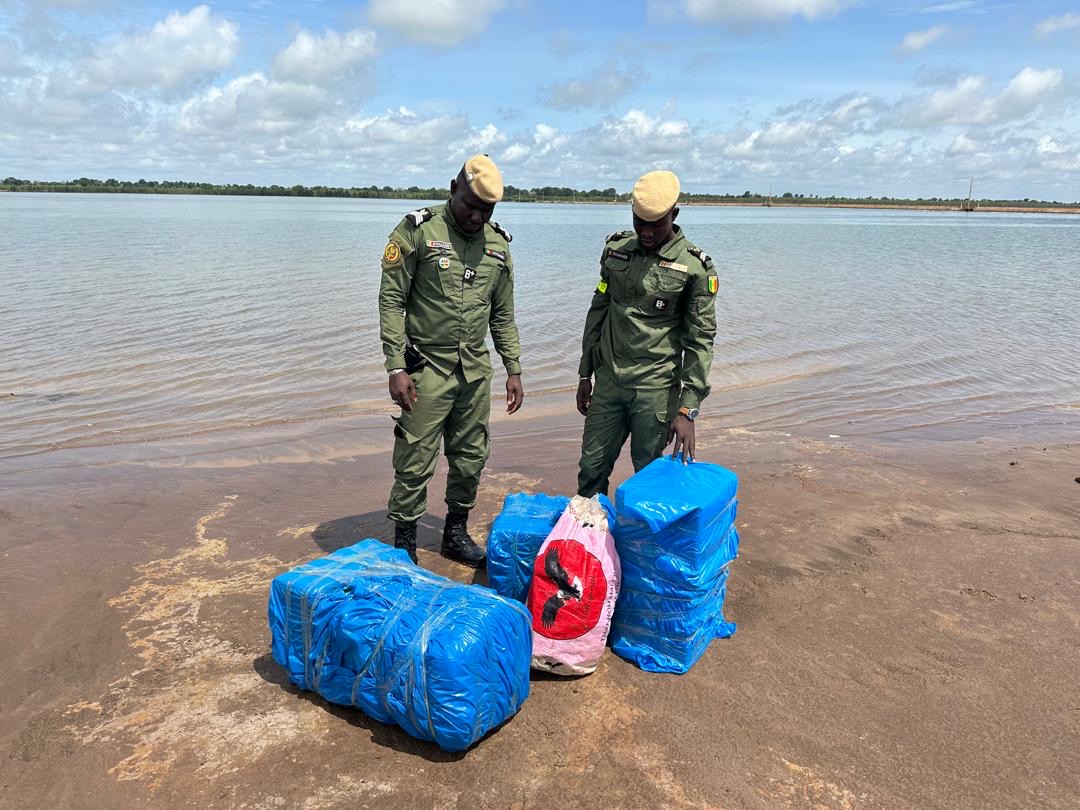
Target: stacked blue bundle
[(365, 627), (675, 536), (516, 537), (517, 534)]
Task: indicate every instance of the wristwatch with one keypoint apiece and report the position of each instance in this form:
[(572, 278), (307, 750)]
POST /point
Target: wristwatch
[(394, 371), (690, 413)]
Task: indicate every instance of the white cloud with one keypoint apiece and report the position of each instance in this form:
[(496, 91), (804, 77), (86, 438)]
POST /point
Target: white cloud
[(316, 60), (1052, 25), (916, 41), (741, 12), (180, 48), (252, 102), (600, 88), (962, 144), (967, 102), (435, 22)]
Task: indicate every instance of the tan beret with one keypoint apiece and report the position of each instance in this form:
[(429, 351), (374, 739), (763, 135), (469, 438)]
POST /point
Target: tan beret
[(655, 194), (484, 178)]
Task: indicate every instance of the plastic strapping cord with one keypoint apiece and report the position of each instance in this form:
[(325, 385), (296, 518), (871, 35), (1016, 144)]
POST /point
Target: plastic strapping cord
[(306, 610)]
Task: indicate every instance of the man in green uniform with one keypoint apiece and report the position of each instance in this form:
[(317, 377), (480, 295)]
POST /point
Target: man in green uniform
[(447, 279), (648, 339)]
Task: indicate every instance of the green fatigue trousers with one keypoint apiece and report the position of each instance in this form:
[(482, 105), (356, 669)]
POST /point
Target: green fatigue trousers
[(643, 414), (451, 410)]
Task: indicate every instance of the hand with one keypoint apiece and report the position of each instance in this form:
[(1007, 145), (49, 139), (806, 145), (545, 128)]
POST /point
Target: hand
[(682, 431), (403, 390), (584, 397), (515, 393)]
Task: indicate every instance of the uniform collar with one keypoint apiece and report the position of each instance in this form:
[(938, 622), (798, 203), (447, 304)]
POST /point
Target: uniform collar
[(671, 248), (453, 223)]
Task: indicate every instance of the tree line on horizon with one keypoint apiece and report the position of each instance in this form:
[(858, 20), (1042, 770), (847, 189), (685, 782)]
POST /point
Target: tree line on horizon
[(511, 193)]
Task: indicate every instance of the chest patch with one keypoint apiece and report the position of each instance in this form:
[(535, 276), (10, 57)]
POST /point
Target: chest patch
[(618, 254), (435, 244), (661, 304), (498, 254), (673, 266), (469, 276), (444, 263)]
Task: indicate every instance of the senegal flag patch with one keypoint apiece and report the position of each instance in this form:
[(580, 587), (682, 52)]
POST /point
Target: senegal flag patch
[(714, 285)]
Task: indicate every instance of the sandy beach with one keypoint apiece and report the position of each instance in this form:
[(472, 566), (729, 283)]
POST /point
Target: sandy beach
[(907, 638)]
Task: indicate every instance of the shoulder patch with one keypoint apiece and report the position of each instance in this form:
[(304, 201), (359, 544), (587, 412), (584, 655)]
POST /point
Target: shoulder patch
[(618, 235), (700, 255), (499, 229), (713, 284), (391, 255), (419, 216)]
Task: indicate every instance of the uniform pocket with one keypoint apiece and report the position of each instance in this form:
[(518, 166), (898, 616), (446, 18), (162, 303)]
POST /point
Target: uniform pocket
[(661, 281)]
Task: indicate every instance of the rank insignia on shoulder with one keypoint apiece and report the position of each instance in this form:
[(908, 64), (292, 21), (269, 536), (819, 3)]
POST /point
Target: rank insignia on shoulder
[(660, 304), (714, 284), (435, 244), (497, 254), (618, 254), (617, 235), (392, 254), (673, 266), (700, 255), (419, 216), (499, 229)]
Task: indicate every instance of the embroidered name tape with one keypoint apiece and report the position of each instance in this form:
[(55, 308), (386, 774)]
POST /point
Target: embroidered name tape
[(437, 245), (673, 266), (618, 254), (498, 254)]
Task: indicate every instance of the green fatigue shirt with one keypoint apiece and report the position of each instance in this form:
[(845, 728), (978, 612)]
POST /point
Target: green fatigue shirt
[(442, 289), (653, 319)]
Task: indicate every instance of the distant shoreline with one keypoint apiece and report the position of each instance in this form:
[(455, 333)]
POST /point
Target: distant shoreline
[(752, 202)]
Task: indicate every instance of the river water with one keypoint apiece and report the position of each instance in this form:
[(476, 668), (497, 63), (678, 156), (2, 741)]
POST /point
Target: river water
[(131, 319)]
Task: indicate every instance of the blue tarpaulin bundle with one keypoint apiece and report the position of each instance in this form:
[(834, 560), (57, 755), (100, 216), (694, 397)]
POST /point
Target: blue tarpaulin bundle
[(516, 536), (675, 534), (365, 627)]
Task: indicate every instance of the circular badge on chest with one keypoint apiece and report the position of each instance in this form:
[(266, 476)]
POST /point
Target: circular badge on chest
[(444, 263)]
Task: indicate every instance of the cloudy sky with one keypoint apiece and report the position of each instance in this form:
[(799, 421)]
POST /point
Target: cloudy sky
[(861, 97)]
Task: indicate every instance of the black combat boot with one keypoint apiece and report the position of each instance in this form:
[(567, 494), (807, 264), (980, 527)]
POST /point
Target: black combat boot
[(457, 545), (405, 537)]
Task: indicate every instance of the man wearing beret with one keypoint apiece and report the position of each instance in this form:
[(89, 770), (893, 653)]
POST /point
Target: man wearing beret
[(648, 339), (447, 280)]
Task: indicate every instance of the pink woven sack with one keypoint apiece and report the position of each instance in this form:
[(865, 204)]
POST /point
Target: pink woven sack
[(574, 587)]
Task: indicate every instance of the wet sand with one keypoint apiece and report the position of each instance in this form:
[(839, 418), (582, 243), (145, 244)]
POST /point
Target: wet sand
[(908, 637)]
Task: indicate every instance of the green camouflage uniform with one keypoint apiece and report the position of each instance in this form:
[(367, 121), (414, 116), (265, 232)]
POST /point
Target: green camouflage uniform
[(649, 342), (442, 290)]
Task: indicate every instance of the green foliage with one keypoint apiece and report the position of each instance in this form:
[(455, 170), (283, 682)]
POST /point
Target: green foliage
[(511, 193)]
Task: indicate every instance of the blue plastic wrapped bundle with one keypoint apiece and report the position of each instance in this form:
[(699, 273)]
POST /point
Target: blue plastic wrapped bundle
[(515, 538), (447, 662), (675, 534)]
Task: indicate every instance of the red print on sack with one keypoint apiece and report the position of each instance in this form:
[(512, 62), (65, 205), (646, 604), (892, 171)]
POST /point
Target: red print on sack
[(568, 590)]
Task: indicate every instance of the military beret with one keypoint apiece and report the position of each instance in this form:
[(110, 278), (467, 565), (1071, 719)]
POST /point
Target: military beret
[(484, 178), (655, 193)]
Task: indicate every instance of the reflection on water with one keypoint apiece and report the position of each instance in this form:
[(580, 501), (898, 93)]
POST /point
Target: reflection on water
[(137, 318)]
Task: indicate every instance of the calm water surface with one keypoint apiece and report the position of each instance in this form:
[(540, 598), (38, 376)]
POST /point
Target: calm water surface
[(140, 318)]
